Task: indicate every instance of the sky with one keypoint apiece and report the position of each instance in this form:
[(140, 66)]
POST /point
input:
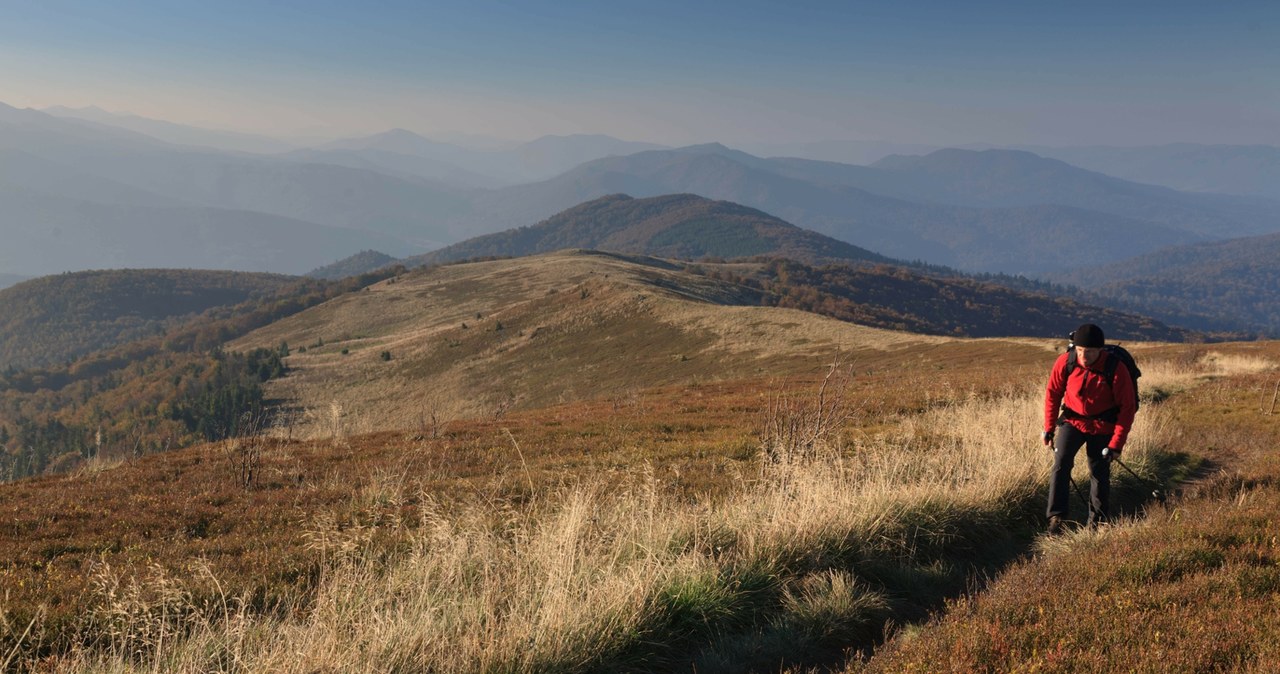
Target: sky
[(671, 72)]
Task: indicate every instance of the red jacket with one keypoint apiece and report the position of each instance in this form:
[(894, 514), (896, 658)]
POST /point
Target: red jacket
[(1087, 392)]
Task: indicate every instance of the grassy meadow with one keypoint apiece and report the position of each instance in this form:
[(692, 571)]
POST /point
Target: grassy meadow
[(730, 526)]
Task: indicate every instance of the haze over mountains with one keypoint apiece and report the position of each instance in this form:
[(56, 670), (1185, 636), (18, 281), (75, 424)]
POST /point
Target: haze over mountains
[(85, 189)]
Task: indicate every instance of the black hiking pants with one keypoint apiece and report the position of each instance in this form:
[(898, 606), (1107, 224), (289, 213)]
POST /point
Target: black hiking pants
[(1066, 443)]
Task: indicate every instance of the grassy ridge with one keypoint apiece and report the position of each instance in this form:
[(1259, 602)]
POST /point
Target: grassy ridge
[(802, 552)]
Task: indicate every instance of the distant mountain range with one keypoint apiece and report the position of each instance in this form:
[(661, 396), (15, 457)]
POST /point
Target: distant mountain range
[(404, 152), (78, 194), (1252, 170), (177, 134), (952, 207)]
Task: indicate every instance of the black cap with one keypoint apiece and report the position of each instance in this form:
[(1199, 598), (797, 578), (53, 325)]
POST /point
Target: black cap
[(1088, 336)]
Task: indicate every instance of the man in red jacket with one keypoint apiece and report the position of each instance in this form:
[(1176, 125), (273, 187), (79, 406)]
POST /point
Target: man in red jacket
[(1096, 412)]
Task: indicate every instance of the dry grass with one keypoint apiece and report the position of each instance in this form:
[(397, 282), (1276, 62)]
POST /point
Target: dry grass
[(597, 576), (530, 543)]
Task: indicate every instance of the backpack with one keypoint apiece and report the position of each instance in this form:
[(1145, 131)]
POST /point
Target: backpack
[(1115, 354)]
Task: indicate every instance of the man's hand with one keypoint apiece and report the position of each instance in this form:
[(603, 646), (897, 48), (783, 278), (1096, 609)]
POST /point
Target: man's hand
[(1110, 454), (1048, 439)]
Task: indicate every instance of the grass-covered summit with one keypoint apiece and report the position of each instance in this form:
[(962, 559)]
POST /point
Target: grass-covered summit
[(675, 225)]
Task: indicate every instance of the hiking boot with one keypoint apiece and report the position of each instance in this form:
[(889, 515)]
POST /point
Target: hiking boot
[(1055, 526)]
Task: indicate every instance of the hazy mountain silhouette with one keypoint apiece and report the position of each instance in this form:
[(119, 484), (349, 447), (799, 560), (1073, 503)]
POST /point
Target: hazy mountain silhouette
[(177, 134), (78, 177), (997, 178), (857, 152), (991, 211), (45, 234), (404, 166), (1252, 170), (537, 160)]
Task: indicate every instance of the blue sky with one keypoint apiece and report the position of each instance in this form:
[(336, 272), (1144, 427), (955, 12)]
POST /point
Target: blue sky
[(672, 72)]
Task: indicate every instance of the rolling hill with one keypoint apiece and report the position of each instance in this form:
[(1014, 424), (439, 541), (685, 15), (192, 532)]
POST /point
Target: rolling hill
[(682, 226), (579, 325)]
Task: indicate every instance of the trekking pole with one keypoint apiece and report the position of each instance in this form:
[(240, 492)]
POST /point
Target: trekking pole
[(1156, 492), (1080, 492)]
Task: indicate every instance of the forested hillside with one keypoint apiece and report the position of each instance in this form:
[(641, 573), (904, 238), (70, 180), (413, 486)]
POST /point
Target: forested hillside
[(1223, 286), (898, 298), (54, 319), (161, 392)]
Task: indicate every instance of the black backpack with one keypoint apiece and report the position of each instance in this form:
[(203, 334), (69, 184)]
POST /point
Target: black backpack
[(1115, 354)]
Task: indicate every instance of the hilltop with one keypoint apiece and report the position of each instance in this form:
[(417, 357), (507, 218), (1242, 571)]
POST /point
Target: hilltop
[(675, 226)]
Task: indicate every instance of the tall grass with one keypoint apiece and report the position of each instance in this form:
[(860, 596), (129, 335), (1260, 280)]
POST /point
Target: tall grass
[(815, 551), (1188, 588)]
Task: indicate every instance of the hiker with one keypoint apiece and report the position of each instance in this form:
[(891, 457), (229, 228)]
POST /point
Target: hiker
[(1096, 412)]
